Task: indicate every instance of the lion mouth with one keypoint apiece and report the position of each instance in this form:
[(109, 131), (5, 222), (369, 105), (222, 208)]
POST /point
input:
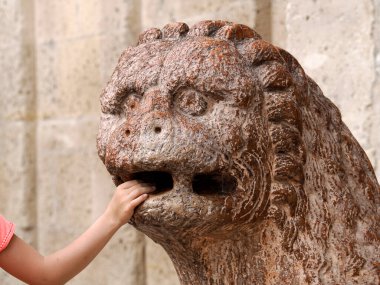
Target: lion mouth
[(163, 181), (203, 184), (213, 184)]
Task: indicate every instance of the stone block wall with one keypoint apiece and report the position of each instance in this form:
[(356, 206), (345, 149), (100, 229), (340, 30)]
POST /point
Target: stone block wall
[(57, 55)]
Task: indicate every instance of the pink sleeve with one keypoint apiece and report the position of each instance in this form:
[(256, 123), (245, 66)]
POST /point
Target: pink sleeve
[(6, 232)]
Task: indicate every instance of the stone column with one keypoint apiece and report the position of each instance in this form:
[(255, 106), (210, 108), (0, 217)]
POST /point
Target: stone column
[(77, 45), (17, 119), (334, 42)]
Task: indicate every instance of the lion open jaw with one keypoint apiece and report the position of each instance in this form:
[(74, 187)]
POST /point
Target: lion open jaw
[(215, 183)]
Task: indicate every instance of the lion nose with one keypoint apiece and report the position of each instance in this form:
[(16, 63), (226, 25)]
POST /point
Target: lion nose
[(156, 126), (152, 128), (156, 130), (153, 120), (156, 108)]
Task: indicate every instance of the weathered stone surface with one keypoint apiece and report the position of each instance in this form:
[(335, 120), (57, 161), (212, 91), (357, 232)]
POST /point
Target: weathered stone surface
[(73, 20), (69, 77), (158, 13), (104, 29), (17, 166), (17, 83), (159, 267), (61, 182), (339, 55), (120, 26), (278, 23), (76, 45), (17, 112), (268, 17), (258, 179)]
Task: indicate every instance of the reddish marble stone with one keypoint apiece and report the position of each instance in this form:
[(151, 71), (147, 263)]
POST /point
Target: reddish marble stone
[(259, 180)]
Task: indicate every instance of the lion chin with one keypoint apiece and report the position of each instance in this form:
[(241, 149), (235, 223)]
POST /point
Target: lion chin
[(258, 180)]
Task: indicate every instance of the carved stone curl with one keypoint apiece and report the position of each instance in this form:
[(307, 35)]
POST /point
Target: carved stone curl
[(259, 181)]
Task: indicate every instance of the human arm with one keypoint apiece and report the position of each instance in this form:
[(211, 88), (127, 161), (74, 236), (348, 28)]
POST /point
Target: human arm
[(25, 263)]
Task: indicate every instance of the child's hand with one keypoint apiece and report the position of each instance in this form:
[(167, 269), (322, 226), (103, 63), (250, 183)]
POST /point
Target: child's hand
[(127, 197)]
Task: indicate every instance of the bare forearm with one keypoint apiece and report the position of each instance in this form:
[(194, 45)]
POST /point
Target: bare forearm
[(25, 263), (64, 264)]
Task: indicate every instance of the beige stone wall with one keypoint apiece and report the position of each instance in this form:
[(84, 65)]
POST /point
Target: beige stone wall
[(57, 55), (340, 56)]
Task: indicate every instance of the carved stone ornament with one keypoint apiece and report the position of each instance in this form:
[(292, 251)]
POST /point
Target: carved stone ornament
[(258, 179)]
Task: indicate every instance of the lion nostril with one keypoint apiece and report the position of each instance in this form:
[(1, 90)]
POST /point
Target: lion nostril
[(127, 132), (157, 130)]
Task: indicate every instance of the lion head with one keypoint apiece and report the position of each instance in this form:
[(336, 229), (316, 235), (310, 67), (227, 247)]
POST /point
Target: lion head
[(258, 179)]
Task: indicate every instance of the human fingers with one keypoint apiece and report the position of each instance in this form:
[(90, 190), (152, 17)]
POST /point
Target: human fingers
[(140, 190), (136, 185), (137, 201), (128, 184)]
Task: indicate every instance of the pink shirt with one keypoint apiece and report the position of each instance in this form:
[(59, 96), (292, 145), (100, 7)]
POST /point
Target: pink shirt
[(6, 232)]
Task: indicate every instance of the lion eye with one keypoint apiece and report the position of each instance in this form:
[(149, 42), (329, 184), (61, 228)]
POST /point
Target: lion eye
[(191, 102), (131, 102)]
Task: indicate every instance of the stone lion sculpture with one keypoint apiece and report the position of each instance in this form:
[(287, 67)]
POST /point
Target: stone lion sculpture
[(258, 179)]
